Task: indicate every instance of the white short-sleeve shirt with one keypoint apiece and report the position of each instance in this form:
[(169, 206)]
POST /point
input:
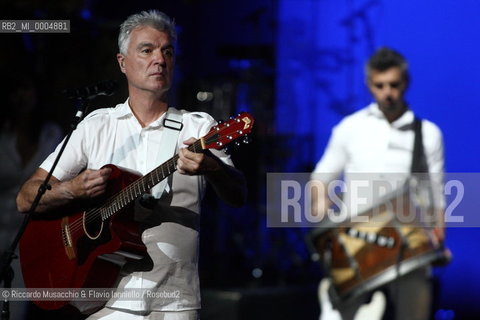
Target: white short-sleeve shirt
[(114, 136), (365, 145)]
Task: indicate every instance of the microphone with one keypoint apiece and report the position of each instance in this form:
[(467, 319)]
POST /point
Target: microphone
[(104, 88)]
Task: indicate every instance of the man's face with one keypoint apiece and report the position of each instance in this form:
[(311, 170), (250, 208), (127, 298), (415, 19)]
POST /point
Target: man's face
[(149, 61), (388, 88)]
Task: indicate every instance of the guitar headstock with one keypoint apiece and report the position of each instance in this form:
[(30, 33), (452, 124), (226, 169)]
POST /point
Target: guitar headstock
[(222, 134)]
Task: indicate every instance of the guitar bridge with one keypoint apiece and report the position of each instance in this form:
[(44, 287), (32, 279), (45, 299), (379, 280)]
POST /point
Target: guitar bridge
[(67, 239)]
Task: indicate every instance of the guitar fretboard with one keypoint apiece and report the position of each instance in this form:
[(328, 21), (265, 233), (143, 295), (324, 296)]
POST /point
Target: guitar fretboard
[(141, 186)]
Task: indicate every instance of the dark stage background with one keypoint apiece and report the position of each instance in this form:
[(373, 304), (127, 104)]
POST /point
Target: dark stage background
[(297, 66)]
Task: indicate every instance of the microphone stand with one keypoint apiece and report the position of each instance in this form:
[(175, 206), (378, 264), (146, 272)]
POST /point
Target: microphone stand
[(6, 271)]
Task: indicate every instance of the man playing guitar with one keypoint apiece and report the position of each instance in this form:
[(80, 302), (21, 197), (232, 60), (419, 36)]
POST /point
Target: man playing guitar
[(130, 136)]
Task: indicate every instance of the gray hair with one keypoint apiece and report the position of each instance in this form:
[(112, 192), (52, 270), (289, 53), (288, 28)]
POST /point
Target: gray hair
[(152, 18)]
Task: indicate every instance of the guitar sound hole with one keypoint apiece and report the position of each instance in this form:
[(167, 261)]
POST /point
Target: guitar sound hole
[(92, 225)]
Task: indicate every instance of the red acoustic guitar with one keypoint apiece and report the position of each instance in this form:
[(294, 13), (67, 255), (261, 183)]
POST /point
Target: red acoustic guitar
[(78, 250)]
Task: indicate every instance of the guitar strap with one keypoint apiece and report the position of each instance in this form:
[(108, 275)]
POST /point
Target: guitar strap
[(419, 161), (420, 179), (418, 167), (172, 125)]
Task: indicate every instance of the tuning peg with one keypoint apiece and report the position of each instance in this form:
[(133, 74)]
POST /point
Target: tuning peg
[(237, 143), (227, 149), (247, 139)]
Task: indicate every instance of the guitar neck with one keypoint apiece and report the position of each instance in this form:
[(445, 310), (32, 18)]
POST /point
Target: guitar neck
[(217, 138), (144, 184)]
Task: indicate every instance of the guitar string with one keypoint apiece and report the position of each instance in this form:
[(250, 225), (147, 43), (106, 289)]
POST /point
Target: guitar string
[(120, 200), (109, 205), (117, 199)]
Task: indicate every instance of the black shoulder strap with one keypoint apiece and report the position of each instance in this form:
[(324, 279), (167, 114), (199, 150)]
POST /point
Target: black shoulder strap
[(419, 161)]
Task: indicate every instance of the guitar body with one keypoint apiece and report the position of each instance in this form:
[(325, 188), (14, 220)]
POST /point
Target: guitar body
[(62, 253)]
